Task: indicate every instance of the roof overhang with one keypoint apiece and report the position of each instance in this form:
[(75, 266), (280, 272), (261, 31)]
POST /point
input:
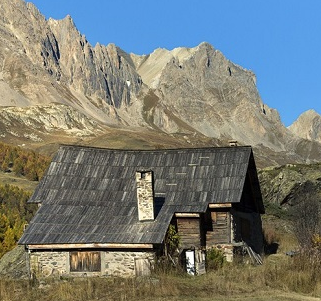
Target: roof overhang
[(88, 246), (187, 214), (221, 205)]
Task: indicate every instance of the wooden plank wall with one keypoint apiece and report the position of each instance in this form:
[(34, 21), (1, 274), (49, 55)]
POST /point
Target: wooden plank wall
[(189, 232), (221, 228)]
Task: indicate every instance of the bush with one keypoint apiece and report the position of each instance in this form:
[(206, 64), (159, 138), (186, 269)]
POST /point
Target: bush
[(215, 259), (172, 241)]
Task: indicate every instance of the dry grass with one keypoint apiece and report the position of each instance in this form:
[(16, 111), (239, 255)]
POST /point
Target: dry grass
[(281, 278)]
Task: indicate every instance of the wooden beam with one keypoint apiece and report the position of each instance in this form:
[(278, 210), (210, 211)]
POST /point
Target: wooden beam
[(187, 214), (90, 246), (225, 205)]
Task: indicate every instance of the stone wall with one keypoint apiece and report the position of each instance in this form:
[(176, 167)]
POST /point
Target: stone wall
[(49, 263), (125, 263), (113, 263)]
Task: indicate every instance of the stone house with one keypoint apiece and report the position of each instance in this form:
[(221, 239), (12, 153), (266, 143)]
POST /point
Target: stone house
[(106, 212)]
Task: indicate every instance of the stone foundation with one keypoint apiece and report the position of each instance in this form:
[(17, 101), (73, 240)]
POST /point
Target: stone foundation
[(113, 263)]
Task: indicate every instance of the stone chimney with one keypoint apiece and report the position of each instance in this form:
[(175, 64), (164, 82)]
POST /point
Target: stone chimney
[(145, 195)]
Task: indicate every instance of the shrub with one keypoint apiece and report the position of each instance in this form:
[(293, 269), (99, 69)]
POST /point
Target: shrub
[(172, 241), (215, 258)]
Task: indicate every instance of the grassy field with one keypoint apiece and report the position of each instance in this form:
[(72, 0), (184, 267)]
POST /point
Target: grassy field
[(242, 282)]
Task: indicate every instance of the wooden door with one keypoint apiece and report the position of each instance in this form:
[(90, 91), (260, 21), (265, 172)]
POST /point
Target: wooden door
[(142, 267)]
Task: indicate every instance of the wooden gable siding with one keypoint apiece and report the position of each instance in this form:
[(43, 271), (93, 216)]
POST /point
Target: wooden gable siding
[(248, 201), (219, 231), (189, 232)]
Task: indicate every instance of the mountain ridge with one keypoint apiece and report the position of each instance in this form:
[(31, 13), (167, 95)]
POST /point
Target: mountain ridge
[(194, 93)]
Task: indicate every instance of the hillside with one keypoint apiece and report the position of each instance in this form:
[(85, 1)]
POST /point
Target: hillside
[(286, 186)]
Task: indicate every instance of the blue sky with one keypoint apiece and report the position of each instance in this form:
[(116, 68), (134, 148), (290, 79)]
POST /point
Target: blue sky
[(279, 40)]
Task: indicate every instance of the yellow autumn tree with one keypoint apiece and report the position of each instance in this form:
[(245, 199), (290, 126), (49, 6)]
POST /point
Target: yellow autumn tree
[(9, 241)]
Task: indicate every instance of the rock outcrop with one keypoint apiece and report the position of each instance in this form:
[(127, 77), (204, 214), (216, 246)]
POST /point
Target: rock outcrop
[(44, 120), (287, 185)]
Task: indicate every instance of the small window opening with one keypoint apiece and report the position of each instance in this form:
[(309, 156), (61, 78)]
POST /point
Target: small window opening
[(85, 261)]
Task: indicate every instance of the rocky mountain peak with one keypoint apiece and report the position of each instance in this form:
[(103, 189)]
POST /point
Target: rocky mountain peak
[(307, 126), (216, 97)]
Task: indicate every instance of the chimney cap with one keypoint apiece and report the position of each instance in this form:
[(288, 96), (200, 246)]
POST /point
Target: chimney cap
[(232, 142)]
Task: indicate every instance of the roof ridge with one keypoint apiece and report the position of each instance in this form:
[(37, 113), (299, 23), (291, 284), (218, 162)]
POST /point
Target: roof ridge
[(155, 150)]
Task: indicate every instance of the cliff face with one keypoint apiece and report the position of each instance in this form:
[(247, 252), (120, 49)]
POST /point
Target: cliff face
[(50, 61), (215, 97), (49, 67), (99, 72)]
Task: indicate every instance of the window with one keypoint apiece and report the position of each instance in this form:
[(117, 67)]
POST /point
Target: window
[(81, 261)]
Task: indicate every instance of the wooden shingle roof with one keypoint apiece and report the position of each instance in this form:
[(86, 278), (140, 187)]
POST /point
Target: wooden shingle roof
[(88, 195)]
